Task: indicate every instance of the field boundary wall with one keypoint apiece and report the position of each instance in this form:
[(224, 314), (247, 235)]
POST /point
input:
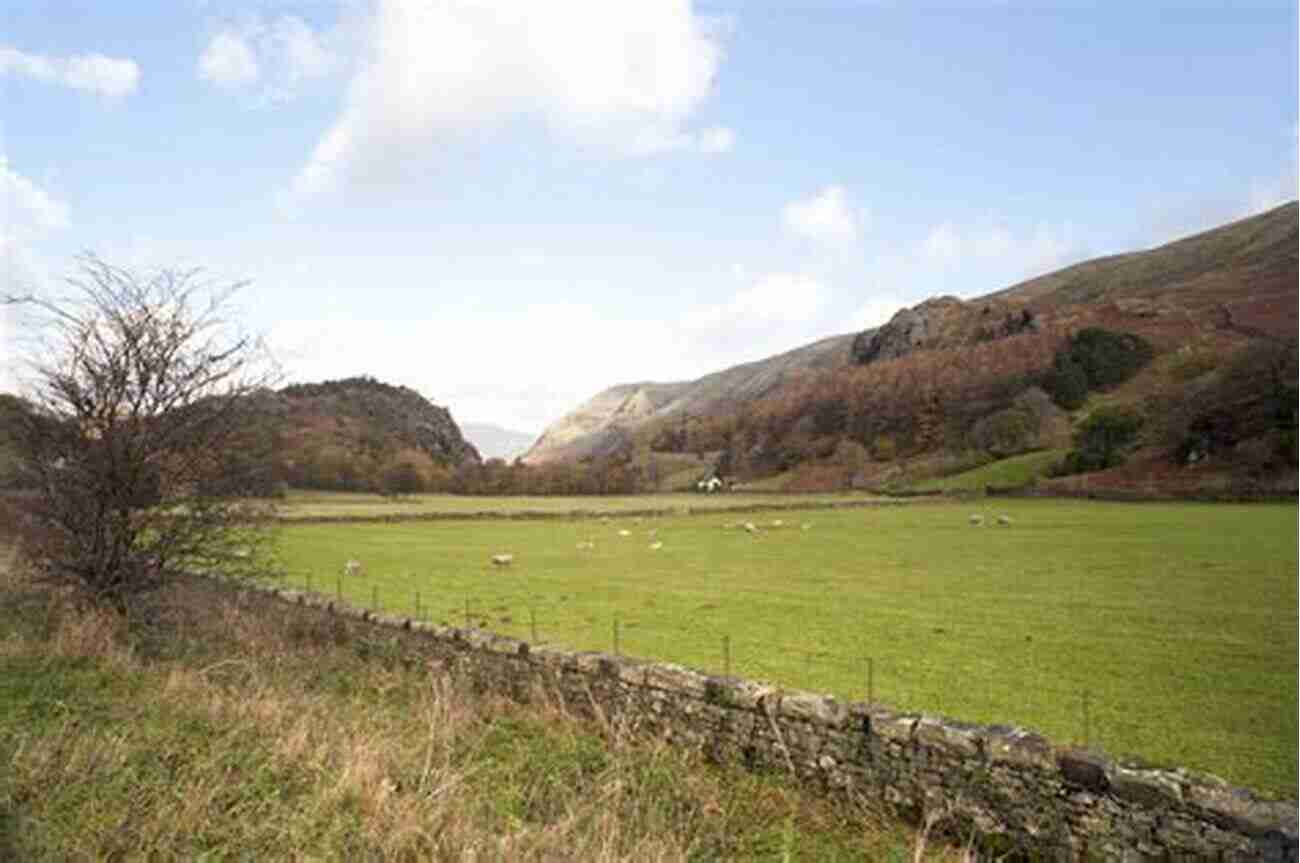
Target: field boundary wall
[(1011, 790)]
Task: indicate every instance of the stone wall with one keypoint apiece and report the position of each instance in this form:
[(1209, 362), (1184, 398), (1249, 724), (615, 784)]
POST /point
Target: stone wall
[(1014, 790)]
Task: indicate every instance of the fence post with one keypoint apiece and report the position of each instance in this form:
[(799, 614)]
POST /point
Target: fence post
[(1087, 723), (726, 655)]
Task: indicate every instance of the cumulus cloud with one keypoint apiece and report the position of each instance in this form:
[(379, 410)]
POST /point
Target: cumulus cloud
[(110, 77), (626, 77), (1042, 248), (827, 217), (280, 53), (228, 61)]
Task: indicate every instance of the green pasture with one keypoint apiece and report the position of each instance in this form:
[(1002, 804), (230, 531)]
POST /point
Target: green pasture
[(1166, 632), (314, 504)]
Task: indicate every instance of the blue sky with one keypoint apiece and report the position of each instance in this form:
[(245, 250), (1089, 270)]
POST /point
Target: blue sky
[(511, 206)]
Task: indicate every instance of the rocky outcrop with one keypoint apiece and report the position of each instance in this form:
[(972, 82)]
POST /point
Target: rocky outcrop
[(942, 322)]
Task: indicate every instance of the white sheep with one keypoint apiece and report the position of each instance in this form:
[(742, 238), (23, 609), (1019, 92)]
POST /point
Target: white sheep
[(625, 533), (776, 522), (655, 546), (1004, 520), (751, 527), (352, 568), (977, 520), (503, 559)]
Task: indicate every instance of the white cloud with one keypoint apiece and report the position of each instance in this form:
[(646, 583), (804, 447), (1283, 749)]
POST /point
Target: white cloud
[(776, 298), (954, 248), (228, 61), (279, 53), (110, 77), (876, 311), (27, 204), (827, 217), (626, 77)]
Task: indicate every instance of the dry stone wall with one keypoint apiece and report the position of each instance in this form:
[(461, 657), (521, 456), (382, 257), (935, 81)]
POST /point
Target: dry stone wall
[(1020, 794)]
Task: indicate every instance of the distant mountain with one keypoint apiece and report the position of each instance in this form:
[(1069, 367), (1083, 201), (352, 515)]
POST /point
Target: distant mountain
[(493, 441)]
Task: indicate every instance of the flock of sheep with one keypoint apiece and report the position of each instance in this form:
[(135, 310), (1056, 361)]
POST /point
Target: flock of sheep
[(353, 567)]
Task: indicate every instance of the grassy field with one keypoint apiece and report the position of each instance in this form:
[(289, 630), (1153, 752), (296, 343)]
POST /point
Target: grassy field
[(228, 732), (309, 504), (1164, 632)]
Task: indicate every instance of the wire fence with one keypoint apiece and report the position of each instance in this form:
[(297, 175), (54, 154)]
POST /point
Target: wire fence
[(1015, 688)]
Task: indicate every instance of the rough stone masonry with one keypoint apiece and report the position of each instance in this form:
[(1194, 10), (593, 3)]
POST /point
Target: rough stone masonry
[(1016, 792)]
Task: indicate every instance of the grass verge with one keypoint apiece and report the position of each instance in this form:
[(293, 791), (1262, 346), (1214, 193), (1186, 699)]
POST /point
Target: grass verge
[(221, 731)]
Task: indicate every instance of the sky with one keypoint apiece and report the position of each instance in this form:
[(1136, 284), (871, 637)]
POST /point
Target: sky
[(510, 206)]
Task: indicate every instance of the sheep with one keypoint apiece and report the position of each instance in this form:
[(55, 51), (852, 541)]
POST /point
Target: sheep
[(751, 527), (776, 522), (625, 533), (352, 568), (977, 520), (655, 546), (1004, 520), (503, 559)]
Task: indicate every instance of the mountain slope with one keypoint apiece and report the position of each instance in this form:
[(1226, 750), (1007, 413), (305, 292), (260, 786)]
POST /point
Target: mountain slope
[(606, 421), (1229, 284)]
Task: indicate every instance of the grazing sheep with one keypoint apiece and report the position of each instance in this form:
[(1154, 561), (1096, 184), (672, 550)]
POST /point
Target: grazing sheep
[(352, 568), (1004, 520), (625, 533), (503, 559), (655, 546), (751, 527), (776, 522), (977, 520)]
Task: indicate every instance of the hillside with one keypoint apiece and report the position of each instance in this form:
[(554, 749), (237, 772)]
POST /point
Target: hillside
[(950, 383), (349, 434), (608, 420)]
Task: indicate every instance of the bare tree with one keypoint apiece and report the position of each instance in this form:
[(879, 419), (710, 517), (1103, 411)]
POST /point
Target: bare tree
[(145, 444)]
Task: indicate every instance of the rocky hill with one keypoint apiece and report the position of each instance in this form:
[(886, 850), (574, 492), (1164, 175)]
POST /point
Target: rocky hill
[(348, 434), (1206, 321), (609, 419)]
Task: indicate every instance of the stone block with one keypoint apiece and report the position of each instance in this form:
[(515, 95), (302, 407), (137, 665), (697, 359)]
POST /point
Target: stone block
[(675, 678), (1083, 769), (822, 709), (960, 739), (1019, 748), (1156, 789)]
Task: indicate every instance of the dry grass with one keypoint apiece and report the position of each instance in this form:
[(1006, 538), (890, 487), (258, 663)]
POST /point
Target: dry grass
[(256, 732)]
